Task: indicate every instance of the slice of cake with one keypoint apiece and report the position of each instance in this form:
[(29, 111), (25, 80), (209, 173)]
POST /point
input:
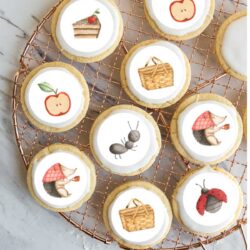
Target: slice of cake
[(88, 27)]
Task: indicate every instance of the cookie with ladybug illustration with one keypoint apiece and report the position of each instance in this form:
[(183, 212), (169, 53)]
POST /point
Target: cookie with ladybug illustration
[(125, 140), (179, 19), (207, 200), (55, 97), (87, 30), (206, 129), (61, 178)]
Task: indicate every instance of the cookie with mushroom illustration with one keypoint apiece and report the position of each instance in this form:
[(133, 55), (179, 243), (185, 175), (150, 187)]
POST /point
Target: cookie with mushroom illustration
[(179, 19), (61, 178), (137, 214), (55, 97), (206, 129), (87, 30), (125, 140), (207, 200)]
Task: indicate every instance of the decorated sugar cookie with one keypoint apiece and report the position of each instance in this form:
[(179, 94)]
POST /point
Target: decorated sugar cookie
[(61, 178), (231, 45), (179, 19), (125, 140), (155, 73), (137, 214), (207, 201), (87, 30), (55, 97), (206, 128)]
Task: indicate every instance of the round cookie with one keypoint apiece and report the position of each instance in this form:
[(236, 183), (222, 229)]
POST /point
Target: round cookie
[(155, 73), (151, 211), (231, 45), (245, 122), (87, 30), (179, 19), (206, 129), (125, 140), (61, 178), (207, 201), (55, 97)]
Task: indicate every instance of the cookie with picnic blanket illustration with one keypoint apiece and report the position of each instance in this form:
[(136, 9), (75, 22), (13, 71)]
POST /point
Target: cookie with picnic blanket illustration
[(125, 140), (55, 97), (231, 45), (137, 214), (207, 200), (179, 19), (155, 73), (206, 129), (87, 30), (61, 178)]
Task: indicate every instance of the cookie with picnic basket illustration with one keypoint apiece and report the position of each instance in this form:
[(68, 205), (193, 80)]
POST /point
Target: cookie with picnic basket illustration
[(155, 73), (207, 200), (55, 97), (125, 140), (231, 45), (137, 214), (206, 129), (61, 178), (179, 19), (87, 30)]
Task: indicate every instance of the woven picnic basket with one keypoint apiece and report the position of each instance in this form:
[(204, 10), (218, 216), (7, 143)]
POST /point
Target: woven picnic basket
[(139, 217), (157, 76)]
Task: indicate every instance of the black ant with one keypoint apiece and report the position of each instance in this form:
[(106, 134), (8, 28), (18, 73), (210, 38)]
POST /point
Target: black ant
[(133, 136)]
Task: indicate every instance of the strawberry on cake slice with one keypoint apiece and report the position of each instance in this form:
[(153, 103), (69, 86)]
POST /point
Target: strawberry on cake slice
[(88, 27)]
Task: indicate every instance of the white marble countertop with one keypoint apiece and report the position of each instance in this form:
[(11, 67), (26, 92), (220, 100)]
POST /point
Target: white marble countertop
[(24, 225)]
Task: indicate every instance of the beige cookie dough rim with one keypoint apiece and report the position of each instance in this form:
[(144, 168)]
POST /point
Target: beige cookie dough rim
[(175, 203), (174, 129), (82, 81), (112, 196), (133, 97), (189, 35), (53, 148), (218, 45), (244, 119), (80, 58), (104, 115)]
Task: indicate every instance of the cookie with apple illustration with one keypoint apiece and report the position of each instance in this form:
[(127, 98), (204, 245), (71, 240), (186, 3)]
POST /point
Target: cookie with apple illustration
[(179, 19), (55, 97)]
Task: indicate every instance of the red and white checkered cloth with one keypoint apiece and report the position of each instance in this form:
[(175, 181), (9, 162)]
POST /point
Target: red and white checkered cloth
[(204, 121), (54, 173)]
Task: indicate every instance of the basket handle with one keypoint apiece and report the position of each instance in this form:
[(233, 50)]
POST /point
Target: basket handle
[(135, 201), (153, 59)]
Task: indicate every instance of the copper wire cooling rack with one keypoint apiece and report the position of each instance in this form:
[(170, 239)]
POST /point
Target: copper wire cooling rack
[(105, 91)]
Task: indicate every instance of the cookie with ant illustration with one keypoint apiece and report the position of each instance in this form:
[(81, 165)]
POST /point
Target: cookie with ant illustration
[(179, 19), (61, 178), (55, 97), (207, 200), (125, 140), (206, 129)]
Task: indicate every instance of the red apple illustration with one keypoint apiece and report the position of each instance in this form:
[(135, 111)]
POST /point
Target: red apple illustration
[(182, 10), (57, 104)]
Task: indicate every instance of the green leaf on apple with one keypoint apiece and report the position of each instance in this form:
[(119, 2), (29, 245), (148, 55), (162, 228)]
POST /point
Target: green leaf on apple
[(46, 87)]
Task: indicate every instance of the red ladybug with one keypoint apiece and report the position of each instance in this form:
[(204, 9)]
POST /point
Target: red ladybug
[(210, 200)]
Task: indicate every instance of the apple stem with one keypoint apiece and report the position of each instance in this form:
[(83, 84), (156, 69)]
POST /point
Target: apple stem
[(55, 91)]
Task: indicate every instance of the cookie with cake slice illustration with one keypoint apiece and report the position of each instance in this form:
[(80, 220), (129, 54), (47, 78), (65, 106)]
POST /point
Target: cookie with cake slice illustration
[(179, 19), (61, 178), (207, 200), (87, 30), (206, 129)]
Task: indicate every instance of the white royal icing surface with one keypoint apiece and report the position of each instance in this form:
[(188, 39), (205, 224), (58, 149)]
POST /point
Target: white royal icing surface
[(159, 10), (77, 10), (78, 190), (146, 236), (63, 80), (114, 128), (168, 53), (227, 138), (189, 193), (234, 45)]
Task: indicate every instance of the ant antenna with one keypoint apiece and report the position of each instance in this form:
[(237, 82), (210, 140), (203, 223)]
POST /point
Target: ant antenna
[(137, 125), (130, 126), (199, 185)]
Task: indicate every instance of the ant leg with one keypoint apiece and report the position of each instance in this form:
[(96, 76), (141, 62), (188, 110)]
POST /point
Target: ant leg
[(129, 126), (115, 157), (122, 142), (120, 156)]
